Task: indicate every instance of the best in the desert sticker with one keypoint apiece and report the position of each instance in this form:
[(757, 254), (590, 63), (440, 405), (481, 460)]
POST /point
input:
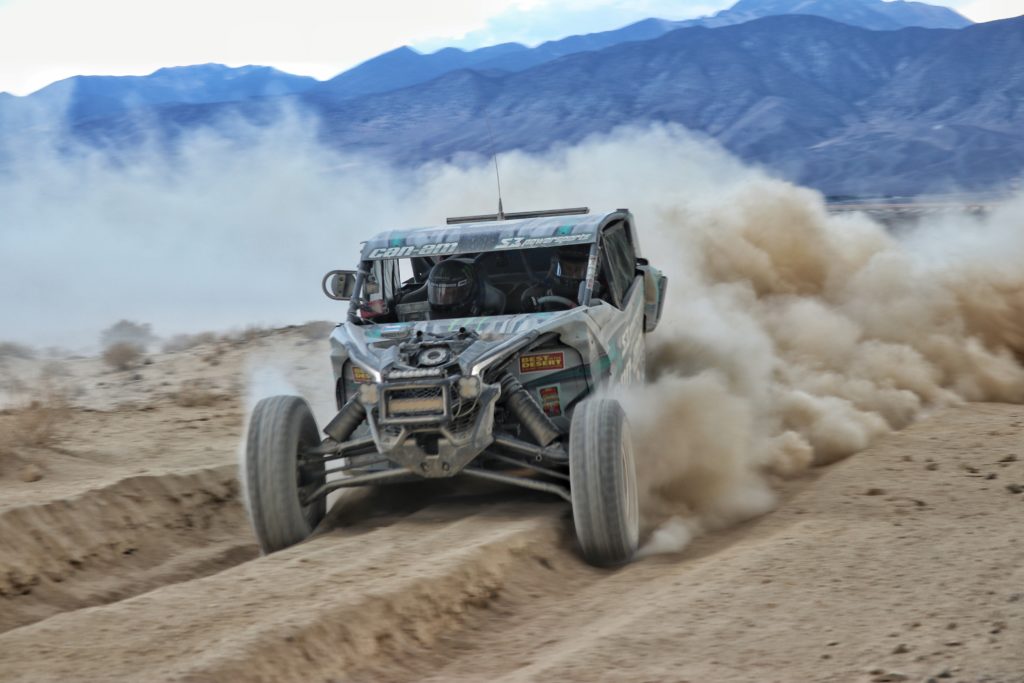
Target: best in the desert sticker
[(542, 362)]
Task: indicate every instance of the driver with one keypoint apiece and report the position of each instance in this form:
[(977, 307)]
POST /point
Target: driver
[(456, 289), (568, 271), (562, 283)]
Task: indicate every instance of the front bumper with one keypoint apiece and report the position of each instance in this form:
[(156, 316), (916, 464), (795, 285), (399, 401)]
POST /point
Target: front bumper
[(429, 426)]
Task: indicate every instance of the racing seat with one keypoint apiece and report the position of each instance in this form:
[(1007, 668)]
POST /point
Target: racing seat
[(494, 299), (416, 295)]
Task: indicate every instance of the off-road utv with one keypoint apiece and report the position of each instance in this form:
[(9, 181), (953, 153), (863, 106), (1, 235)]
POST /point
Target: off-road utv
[(487, 348)]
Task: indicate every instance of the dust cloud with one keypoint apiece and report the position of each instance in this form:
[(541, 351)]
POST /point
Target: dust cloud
[(228, 229), (794, 338), (791, 337)]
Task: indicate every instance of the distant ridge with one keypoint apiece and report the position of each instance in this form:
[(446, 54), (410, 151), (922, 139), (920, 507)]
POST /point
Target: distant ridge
[(405, 67), (88, 97), (872, 14)]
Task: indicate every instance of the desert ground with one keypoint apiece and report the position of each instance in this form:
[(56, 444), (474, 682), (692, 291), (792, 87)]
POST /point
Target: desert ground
[(125, 554)]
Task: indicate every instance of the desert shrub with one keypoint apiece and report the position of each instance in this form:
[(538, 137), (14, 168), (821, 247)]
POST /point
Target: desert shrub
[(122, 355), (54, 369), (15, 350), (184, 342), (196, 395), (249, 334), (316, 330), (11, 383), (127, 332), (36, 424)]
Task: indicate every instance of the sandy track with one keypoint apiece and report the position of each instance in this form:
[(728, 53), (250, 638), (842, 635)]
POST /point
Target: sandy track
[(901, 563), (325, 606), (119, 540), (904, 561)]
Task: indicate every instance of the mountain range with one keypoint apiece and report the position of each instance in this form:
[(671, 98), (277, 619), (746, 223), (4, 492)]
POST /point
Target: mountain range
[(841, 108), (92, 96), (81, 98), (405, 66), (851, 109)]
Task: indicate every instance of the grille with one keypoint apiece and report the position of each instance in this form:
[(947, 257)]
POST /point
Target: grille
[(426, 401), (463, 422)]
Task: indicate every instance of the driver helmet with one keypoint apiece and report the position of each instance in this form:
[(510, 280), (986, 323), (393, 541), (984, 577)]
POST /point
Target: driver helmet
[(453, 287), (569, 264)]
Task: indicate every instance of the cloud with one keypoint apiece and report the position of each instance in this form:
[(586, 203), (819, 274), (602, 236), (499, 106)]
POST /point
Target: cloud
[(988, 10), (549, 20)]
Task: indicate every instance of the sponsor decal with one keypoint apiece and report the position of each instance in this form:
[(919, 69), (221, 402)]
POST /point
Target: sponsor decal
[(556, 241), (550, 402), (541, 362), (360, 375), (407, 251)]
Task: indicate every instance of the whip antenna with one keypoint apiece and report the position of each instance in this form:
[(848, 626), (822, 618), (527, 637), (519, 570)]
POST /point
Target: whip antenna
[(515, 215), (494, 156)]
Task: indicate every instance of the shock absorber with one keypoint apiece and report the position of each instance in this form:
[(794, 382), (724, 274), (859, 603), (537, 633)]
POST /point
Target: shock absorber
[(346, 421), (521, 404)]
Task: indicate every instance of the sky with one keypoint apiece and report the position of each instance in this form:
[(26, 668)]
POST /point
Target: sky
[(42, 41)]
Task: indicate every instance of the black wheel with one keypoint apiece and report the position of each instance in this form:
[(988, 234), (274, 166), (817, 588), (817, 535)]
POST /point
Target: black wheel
[(602, 476), (281, 427)]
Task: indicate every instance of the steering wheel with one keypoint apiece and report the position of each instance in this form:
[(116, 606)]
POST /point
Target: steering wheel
[(566, 302)]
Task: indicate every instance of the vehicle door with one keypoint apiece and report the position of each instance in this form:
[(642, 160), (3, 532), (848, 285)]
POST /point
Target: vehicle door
[(617, 310)]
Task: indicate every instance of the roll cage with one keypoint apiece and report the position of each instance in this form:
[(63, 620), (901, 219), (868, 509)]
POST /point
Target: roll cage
[(391, 278)]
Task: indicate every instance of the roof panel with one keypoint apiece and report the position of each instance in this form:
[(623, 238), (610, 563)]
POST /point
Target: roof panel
[(527, 233)]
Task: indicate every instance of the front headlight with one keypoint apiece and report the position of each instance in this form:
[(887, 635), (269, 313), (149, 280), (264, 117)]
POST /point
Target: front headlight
[(369, 394), (469, 387)]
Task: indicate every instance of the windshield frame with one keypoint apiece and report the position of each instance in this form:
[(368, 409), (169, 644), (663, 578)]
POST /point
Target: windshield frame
[(361, 300)]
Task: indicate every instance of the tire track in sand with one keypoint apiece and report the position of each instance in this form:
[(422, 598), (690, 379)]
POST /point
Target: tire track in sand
[(113, 542), (327, 607)]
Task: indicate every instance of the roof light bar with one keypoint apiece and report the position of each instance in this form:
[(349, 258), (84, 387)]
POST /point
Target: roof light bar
[(576, 211)]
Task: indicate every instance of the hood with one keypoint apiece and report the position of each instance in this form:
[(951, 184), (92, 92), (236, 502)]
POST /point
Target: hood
[(470, 341), (488, 328)]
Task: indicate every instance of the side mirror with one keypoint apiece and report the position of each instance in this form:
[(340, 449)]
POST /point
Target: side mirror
[(339, 285), (655, 286)]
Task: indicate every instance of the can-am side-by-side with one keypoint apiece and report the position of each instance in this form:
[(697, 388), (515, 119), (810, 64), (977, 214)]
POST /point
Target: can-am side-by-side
[(484, 348)]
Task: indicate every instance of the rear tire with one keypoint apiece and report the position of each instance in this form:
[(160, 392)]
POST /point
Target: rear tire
[(602, 477), (281, 427)]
